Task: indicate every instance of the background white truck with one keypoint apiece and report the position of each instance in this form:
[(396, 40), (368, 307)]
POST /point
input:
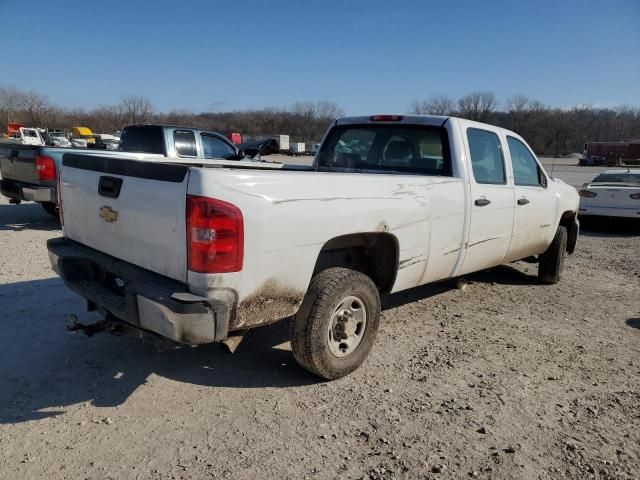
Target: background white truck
[(27, 136), (196, 252)]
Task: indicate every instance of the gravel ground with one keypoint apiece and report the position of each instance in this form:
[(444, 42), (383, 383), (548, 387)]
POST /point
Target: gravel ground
[(506, 378)]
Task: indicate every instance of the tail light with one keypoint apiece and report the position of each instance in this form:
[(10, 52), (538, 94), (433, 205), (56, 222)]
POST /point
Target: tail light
[(635, 196), (59, 199), (386, 118), (215, 236), (587, 193), (46, 168)]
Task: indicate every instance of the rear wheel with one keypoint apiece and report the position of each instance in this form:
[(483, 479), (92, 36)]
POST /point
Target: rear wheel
[(551, 262), (51, 208), (336, 326)]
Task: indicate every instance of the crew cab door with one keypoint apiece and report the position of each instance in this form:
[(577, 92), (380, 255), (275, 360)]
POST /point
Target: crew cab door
[(535, 206), (492, 201)]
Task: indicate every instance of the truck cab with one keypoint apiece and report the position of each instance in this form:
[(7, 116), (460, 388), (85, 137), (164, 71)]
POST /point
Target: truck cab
[(177, 142)]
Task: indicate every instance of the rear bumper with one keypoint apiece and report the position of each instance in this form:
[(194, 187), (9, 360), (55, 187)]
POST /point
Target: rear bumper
[(137, 296), (624, 212), (27, 191)]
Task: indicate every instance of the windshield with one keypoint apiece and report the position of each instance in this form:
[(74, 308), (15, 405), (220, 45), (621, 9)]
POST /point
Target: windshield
[(369, 148), (622, 177)]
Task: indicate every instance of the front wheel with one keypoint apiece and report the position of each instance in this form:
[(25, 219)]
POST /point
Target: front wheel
[(551, 262), (336, 326)]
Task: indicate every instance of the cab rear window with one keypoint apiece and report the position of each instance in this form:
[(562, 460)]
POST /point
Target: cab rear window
[(143, 138), (412, 149)]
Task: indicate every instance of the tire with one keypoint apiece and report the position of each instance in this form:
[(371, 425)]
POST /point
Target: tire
[(50, 208), (321, 350), (551, 262)]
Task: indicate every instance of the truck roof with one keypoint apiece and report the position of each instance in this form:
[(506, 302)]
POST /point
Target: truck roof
[(167, 125), (433, 120), (430, 120)]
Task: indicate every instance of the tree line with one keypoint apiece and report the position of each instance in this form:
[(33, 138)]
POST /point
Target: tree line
[(549, 130)]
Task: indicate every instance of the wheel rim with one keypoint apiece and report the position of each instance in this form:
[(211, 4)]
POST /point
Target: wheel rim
[(347, 326)]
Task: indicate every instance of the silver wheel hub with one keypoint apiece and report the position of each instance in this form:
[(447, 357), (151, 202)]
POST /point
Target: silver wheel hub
[(347, 326)]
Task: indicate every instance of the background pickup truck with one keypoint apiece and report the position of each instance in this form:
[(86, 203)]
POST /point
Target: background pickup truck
[(29, 171), (197, 253)]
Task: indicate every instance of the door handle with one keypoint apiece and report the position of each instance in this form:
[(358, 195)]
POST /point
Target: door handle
[(482, 202), (522, 201), (109, 186)]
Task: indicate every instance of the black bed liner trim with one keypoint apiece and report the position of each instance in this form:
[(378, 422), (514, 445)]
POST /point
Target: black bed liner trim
[(166, 172)]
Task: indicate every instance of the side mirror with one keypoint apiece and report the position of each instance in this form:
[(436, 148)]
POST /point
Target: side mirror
[(251, 152), (260, 147), (238, 156)]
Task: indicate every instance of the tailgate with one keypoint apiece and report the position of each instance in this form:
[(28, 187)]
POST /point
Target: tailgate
[(130, 209), (17, 162)]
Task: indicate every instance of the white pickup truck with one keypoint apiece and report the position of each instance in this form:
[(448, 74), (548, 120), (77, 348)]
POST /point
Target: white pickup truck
[(197, 251)]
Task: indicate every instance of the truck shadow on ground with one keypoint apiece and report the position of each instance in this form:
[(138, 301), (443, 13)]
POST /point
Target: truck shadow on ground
[(44, 368), (25, 216), (502, 275), (610, 227), (633, 323)]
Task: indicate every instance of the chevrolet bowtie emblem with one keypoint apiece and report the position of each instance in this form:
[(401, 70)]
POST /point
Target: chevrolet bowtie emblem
[(108, 214)]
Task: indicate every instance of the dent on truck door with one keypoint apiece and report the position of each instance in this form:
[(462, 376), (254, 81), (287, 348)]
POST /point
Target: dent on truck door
[(492, 201)]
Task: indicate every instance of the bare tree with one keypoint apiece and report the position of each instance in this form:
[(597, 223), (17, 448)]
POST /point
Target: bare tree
[(434, 105), (11, 102), (477, 105), (328, 111), (36, 107), (304, 117), (517, 103), (136, 108)]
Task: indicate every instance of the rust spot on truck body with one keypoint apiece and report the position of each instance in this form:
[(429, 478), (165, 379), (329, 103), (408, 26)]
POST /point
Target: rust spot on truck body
[(270, 303)]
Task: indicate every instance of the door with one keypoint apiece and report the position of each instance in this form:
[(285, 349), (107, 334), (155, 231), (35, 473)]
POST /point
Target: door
[(216, 147), (535, 207), (491, 202)]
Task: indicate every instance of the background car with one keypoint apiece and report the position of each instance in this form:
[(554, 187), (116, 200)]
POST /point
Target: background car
[(613, 193)]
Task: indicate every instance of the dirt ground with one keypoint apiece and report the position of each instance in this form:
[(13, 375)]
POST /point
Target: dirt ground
[(507, 378)]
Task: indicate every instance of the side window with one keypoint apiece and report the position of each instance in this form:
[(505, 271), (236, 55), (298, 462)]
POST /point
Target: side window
[(185, 143), (215, 147), (526, 170), (486, 156)]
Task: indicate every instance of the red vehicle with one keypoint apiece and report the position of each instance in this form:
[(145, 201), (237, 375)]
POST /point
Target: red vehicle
[(235, 138), (611, 153), (13, 128)]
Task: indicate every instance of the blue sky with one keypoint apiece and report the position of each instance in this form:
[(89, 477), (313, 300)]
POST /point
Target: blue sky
[(368, 56)]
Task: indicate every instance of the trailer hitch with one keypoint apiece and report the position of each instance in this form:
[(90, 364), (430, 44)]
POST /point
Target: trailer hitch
[(113, 326), (106, 325)]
